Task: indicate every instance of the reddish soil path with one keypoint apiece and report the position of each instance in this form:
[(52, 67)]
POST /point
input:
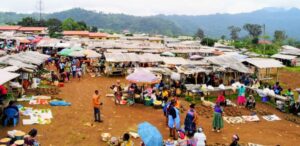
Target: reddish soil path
[(68, 126)]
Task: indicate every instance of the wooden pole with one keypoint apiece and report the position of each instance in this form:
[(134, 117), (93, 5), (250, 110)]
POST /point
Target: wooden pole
[(277, 75), (196, 78)]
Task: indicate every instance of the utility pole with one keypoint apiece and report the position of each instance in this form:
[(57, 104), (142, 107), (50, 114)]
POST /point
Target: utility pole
[(40, 9), (264, 38)]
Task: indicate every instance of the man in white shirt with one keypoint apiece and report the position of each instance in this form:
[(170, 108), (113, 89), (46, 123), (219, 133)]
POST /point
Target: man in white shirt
[(200, 136)]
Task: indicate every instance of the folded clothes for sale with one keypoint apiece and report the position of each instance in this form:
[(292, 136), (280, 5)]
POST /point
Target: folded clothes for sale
[(38, 101), (253, 118), (271, 118), (234, 120)]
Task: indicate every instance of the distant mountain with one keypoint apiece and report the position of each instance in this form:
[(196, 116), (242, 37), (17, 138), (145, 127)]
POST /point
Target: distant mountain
[(213, 25), (216, 25)]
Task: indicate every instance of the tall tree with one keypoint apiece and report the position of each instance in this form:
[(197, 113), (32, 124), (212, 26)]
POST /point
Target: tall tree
[(199, 34), (279, 36), (234, 32), (254, 30), (54, 26), (70, 24)]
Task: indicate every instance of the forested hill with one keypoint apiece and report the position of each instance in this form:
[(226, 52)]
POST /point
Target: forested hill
[(213, 25)]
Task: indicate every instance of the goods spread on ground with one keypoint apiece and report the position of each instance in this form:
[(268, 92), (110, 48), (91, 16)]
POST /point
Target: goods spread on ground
[(234, 120), (36, 116)]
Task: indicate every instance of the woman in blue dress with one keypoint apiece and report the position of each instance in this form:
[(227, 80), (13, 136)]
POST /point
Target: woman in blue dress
[(172, 119), (190, 120)]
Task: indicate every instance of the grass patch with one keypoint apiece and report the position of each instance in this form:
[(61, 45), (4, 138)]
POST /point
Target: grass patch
[(293, 69)]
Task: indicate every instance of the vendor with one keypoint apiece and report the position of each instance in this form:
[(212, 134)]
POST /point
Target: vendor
[(153, 96), (290, 96), (126, 140), (30, 139), (165, 95), (277, 88)]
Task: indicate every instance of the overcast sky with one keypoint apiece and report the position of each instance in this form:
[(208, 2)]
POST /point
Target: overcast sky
[(148, 7)]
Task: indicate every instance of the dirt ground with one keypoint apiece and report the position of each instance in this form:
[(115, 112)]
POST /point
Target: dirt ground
[(68, 126), (289, 79)]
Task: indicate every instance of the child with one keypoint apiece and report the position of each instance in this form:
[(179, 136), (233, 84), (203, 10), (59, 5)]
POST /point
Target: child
[(251, 102), (79, 73)]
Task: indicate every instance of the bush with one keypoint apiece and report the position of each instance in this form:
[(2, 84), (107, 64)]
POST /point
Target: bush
[(188, 98), (208, 42)]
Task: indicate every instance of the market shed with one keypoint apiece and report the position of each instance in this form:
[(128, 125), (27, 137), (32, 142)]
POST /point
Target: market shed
[(192, 74), (264, 68), (225, 68), (117, 63), (289, 60)]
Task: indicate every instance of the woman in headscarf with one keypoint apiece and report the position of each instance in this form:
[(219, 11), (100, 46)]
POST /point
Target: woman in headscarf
[(218, 120), (190, 120)]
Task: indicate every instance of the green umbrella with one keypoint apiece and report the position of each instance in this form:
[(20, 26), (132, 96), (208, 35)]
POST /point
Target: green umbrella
[(65, 52), (76, 48), (169, 54)]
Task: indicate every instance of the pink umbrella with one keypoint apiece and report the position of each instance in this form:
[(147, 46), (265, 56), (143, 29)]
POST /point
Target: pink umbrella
[(142, 76)]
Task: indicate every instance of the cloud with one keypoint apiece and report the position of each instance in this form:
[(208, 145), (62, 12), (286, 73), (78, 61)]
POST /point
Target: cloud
[(149, 7)]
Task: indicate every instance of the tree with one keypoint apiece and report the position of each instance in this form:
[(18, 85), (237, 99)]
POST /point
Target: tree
[(54, 27), (199, 34), (82, 25), (279, 36), (254, 30), (10, 23), (291, 41), (208, 42), (94, 29), (70, 24), (223, 37), (234, 32), (28, 21)]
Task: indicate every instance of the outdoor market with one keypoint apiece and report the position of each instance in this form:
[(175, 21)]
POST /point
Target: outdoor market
[(82, 91)]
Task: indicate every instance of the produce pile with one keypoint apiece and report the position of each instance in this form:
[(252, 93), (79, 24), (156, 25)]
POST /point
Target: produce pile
[(235, 112), (44, 91), (293, 119), (263, 112), (204, 111)]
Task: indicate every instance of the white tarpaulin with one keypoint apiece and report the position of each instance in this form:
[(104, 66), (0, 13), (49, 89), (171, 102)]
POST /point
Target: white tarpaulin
[(7, 76)]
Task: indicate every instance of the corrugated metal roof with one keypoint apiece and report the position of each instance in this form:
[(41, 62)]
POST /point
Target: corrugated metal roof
[(282, 56), (174, 60), (264, 63), (228, 61)]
